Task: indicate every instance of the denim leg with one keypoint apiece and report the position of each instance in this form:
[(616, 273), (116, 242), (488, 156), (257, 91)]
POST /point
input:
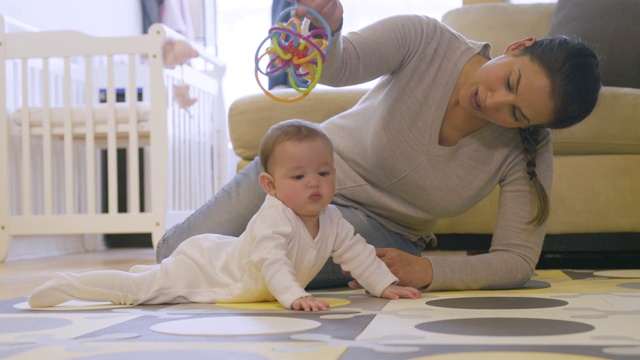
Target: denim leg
[(228, 212), (376, 234)]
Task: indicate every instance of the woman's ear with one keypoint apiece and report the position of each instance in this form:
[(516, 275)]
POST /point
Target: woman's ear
[(519, 45), (267, 183)]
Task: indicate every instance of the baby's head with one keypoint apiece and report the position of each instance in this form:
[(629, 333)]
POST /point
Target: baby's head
[(290, 130), (297, 159)]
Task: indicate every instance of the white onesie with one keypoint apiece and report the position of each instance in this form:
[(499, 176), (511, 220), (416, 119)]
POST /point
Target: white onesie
[(275, 258)]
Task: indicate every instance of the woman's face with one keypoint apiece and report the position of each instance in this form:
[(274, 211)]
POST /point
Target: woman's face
[(510, 91)]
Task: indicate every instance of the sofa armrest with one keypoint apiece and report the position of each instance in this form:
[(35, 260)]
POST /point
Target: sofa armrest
[(251, 116), (500, 23)]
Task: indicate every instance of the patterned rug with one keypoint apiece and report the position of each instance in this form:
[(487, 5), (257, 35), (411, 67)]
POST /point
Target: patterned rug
[(557, 315)]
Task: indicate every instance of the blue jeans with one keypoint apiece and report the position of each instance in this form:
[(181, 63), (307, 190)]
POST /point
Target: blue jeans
[(229, 211)]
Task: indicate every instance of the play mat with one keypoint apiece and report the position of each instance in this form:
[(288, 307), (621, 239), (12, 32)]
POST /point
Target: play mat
[(566, 314)]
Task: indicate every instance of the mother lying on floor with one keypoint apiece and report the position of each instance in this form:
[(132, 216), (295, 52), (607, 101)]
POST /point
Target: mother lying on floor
[(443, 127)]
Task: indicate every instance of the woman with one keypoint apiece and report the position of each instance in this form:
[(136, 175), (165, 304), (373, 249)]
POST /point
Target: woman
[(444, 125)]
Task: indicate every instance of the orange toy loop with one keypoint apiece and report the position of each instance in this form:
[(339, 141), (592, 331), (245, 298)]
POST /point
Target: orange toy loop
[(274, 97)]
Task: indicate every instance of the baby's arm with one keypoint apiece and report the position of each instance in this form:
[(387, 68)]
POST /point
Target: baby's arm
[(309, 303), (394, 292)]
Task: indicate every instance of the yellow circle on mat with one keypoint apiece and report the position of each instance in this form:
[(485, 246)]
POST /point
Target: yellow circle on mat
[(507, 355), (274, 305)]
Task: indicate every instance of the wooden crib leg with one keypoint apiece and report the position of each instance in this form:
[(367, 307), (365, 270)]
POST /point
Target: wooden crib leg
[(91, 242)]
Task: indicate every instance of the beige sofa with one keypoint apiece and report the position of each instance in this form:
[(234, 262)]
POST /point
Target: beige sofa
[(597, 163)]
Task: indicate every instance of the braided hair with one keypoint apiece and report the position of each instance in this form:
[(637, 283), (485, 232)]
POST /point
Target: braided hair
[(530, 138), (573, 71)]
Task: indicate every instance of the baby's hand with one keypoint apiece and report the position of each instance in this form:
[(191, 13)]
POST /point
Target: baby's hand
[(309, 303), (394, 292)]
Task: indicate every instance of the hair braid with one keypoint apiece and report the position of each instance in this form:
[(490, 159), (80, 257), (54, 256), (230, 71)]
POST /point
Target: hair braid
[(530, 138)]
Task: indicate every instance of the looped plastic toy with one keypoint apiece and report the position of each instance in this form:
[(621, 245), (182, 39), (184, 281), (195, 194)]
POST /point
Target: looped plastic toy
[(296, 51)]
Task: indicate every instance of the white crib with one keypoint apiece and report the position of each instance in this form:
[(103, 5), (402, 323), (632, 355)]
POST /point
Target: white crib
[(67, 97)]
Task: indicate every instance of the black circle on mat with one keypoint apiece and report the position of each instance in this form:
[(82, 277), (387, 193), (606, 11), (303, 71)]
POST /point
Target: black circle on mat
[(504, 327), (497, 303)]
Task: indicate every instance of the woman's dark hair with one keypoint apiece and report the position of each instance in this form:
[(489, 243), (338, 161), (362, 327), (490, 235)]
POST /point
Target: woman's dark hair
[(573, 70)]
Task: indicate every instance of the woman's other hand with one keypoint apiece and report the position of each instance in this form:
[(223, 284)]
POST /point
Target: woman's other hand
[(394, 292), (413, 271)]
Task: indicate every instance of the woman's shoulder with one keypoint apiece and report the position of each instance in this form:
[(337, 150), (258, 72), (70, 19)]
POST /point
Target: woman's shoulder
[(413, 23)]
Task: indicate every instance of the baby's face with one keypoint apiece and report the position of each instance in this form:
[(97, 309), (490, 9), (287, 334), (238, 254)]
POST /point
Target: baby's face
[(304, 175)]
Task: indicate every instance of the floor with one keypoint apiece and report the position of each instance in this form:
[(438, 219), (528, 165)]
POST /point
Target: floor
[(20, 277), (559, 314)]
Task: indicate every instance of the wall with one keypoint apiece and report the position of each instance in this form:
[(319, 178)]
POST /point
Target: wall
[(95, 17)]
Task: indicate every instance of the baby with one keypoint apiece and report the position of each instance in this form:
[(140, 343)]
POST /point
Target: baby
[(284, 246)]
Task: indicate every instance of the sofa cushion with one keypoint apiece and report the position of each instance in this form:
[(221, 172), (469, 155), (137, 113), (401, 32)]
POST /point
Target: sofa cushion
[(612, 127), (611, 28), (246, 133), (500, 23)]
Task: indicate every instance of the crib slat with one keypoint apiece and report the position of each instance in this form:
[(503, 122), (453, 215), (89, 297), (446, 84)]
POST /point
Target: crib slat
[(195, 133), (112, 161), (68, 139), (214, 142), (5, 145), (134, 161), (204, 122), (26, 143), (47, 146), (90, 138), (185, 169), (171, 146), (200, 152)]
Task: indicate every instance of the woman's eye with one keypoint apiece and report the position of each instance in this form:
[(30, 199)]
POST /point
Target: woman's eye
[(514, 114), (509, 85)]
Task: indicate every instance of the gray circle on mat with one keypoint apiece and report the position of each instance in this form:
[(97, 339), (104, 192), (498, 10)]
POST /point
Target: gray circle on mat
[(497, 303), (633, 285), (505, 327), (24, 324)]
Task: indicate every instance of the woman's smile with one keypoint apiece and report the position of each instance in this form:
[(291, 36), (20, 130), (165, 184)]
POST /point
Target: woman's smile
[(475, 100)]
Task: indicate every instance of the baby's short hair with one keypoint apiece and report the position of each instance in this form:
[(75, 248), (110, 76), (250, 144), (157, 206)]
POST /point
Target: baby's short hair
[(289, 130)]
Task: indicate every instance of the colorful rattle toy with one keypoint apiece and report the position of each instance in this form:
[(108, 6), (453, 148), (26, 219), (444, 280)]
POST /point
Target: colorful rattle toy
[(294, 50)]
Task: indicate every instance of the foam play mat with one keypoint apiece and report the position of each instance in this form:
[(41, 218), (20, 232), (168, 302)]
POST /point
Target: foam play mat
[(578, 314)]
